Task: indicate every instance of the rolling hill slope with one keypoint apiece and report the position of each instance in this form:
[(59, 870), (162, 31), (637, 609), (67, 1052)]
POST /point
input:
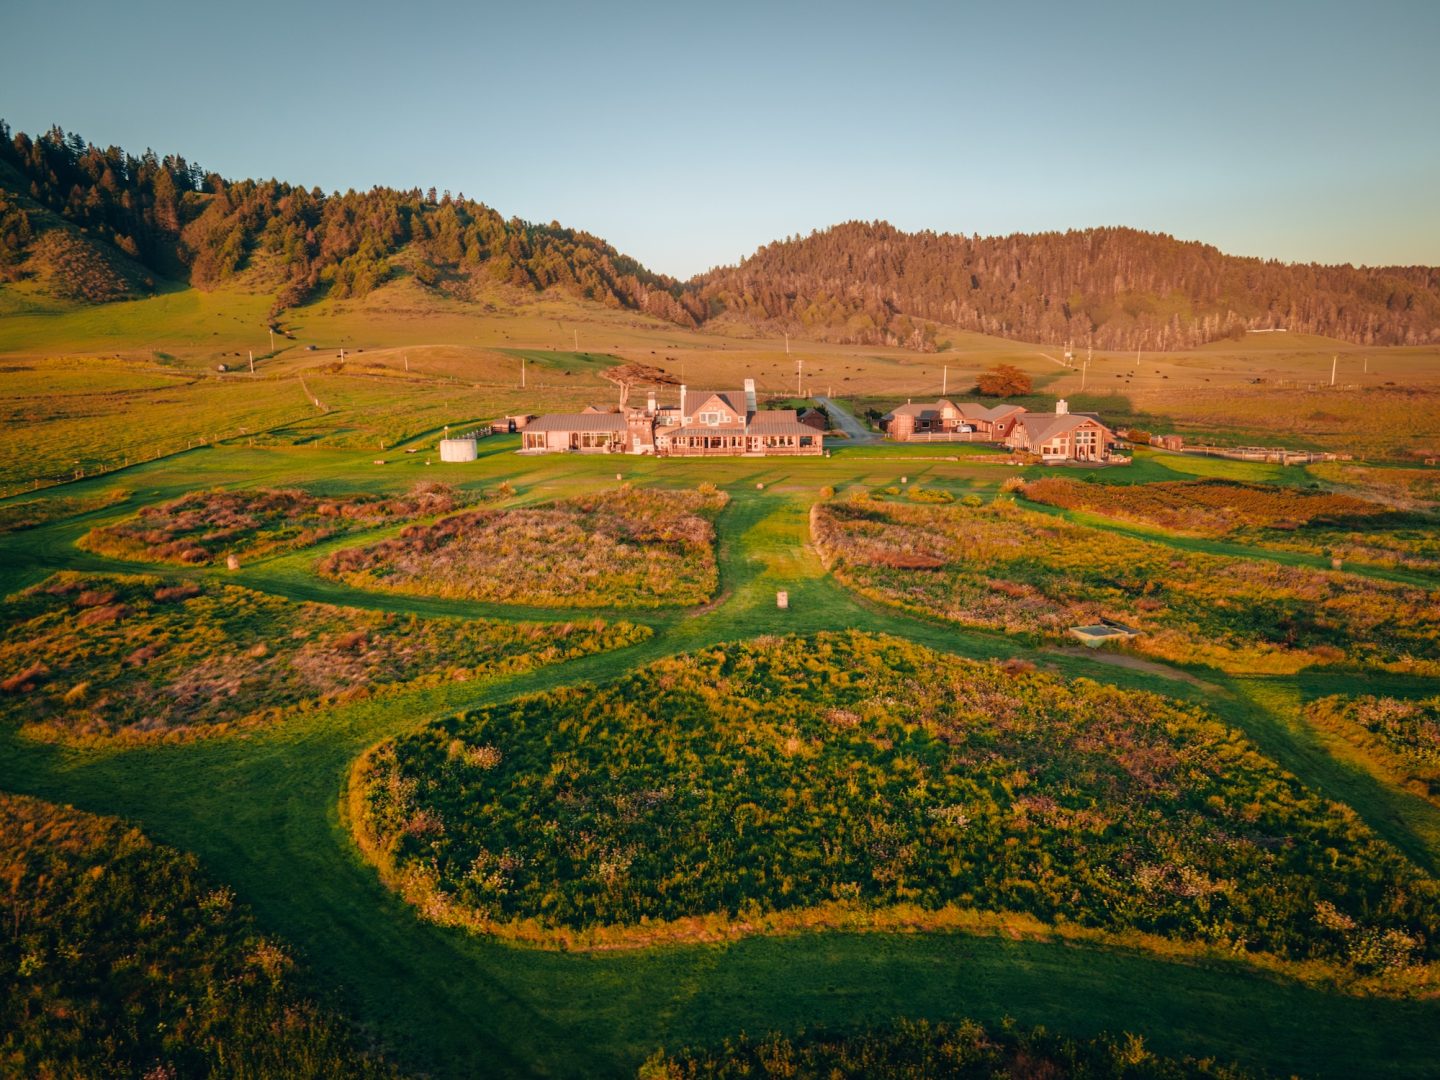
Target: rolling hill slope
[(81, 223)]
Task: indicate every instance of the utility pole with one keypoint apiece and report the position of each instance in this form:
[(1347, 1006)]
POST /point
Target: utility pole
[(577, 338), (945, 380), (522, 373), (787, 342), (407, 361), (252, 361), (272, 338), (1334, 361), (1367, 365), (799, 366)]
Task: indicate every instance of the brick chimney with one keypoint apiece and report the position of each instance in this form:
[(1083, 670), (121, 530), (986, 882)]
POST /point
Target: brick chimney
[(1062, 407)]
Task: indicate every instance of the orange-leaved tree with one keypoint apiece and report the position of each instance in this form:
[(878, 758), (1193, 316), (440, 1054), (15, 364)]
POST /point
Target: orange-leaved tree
[(1003, 380)]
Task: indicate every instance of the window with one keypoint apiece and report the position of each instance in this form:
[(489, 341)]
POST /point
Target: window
[(711, 418)]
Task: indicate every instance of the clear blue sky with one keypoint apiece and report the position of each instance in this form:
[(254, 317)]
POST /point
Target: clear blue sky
[(689, 134)]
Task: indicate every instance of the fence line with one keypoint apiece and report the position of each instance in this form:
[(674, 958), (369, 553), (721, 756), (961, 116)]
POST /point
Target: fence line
[(143, 457), (1273, 454)]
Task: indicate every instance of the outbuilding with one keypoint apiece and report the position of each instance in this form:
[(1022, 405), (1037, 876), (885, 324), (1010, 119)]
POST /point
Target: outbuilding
[(462, 449)]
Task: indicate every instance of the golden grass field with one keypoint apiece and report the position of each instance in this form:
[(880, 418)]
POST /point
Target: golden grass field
[(415, 362)]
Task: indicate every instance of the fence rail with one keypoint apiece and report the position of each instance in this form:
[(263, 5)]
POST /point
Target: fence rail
[(1276, 455), (946, 436)]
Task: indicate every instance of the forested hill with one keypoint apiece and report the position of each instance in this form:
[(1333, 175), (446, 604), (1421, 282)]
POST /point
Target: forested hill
[(101, 224), (86, 223), (1113, 288)]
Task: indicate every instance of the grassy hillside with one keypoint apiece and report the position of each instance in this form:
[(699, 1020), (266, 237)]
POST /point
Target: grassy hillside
[(155, 360)]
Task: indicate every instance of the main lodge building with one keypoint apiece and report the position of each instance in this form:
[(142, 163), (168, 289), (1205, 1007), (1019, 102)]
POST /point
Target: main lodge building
[(706, 423)]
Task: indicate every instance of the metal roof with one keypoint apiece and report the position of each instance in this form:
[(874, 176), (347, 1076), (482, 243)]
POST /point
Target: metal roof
[(578, 422), (1042, 427), (778, 422)]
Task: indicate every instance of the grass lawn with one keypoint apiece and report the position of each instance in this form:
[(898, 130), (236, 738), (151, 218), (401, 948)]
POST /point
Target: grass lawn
[(264, 811)]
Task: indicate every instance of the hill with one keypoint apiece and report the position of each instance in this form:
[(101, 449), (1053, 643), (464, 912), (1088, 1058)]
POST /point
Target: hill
[(177, 221), (82, 223), (869, 283)]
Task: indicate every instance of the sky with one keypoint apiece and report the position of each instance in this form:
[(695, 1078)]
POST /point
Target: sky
[(687, 135)]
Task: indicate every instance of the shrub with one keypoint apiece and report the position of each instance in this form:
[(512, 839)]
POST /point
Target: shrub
[(25, 680), (929, 495), (205, 525), (1402, 735), (126, 961), (761, 781), (1020, 571), (1292, 519), (627, 547), (148, 666), (907, 1049)]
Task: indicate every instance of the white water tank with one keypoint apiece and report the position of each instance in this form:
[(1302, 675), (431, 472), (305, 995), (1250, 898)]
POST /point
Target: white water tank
[(457, 450)]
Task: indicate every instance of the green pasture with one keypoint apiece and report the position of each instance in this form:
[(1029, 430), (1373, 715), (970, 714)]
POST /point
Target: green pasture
[(264, 811)]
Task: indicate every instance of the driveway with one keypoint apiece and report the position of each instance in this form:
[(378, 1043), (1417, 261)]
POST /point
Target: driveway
[(858, 435)]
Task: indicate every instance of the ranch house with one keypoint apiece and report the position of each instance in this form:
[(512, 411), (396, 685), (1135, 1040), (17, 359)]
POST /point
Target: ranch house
[(718, 423), (1062, 435), (947, 421)]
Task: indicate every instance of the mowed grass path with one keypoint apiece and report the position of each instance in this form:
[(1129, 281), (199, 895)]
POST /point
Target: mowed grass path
[(264, 813)]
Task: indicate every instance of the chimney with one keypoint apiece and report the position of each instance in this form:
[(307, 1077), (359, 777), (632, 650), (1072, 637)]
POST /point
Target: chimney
[(750, 396), (650, 403), (1062, 407), (684, 416)]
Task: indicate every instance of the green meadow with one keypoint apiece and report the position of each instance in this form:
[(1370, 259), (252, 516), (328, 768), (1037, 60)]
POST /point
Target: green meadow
[(265, 811), (117, 409)]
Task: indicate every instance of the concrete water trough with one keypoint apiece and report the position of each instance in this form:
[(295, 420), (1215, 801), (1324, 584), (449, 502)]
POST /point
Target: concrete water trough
[(1096, 635)]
